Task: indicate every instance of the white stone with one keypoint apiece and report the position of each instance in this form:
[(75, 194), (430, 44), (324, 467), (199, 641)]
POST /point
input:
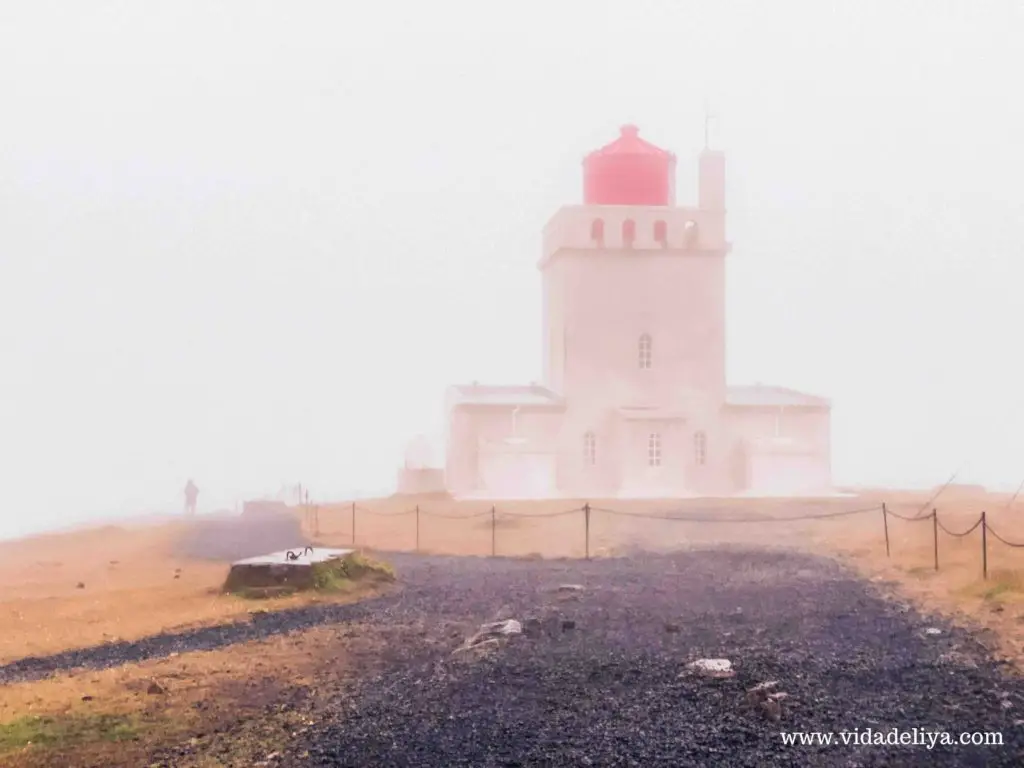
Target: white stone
[(712, 667), (506, 627)]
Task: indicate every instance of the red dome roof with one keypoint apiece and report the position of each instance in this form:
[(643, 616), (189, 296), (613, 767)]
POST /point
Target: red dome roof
[(629, 171)]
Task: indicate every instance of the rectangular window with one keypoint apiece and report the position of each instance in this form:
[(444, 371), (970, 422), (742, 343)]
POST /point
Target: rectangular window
[(644, 349), (700, 448), (654, 450), (590, 449)]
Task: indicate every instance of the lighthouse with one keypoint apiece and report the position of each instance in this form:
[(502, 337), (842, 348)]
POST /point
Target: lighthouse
[(634, 400)]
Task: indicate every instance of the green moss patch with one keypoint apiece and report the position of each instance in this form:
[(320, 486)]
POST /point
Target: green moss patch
[(65, 731), (341, 574)]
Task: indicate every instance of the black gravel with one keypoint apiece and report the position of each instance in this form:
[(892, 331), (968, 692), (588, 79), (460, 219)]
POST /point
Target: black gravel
[(608, 692), (115, 654)]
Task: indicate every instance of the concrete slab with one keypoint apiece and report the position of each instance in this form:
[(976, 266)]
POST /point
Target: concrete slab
[(283, 571), (297, 556)]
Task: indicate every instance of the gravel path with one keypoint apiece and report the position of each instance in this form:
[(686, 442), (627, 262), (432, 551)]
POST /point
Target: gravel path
[(608, 691)]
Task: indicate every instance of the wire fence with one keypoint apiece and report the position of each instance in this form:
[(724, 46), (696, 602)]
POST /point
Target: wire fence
[(495, 519)]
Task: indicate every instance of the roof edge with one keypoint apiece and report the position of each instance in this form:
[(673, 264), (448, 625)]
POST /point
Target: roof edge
[(771, 396), (503, 396)]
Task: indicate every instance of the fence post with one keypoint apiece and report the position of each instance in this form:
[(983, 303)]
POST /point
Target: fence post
[(586, 529), (494, 528), (353, 523), (417, 527), (935, 535), (984, 546), (885, 524)]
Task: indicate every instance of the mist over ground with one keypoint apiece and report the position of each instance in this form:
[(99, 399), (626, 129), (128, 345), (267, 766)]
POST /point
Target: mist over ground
[(253, 243)]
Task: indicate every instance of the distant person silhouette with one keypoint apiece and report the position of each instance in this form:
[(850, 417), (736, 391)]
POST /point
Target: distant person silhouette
[(191, 494)]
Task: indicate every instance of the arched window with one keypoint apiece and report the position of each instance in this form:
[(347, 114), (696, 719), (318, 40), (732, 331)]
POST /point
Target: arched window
[(690, 234), (661, 233), (597, 230), (645, 352), (700, 448), (628, 232), (654, 450), (589, 449)]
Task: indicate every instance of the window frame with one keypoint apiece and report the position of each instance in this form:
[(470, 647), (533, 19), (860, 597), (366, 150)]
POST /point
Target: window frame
[(589, 448), (654, 457), (645, 352), (700, 448)]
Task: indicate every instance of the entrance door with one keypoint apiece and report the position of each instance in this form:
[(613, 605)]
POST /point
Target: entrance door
[(786, 474), (518, 475)]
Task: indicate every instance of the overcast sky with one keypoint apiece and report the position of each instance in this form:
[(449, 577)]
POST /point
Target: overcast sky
[(252, 242)]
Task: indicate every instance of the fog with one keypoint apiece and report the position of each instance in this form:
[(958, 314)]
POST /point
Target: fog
[(252, 242)]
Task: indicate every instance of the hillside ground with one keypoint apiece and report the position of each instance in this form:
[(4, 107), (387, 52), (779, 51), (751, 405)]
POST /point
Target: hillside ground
[(140, 581)]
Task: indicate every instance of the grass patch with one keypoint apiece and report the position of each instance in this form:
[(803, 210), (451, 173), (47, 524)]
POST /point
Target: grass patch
[(1002, 581), (65, 730), (993, 592), (263, 593), (340, 575)]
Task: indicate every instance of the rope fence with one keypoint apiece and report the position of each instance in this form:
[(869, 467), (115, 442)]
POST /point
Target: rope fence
[(587, 512), (937, 527)]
